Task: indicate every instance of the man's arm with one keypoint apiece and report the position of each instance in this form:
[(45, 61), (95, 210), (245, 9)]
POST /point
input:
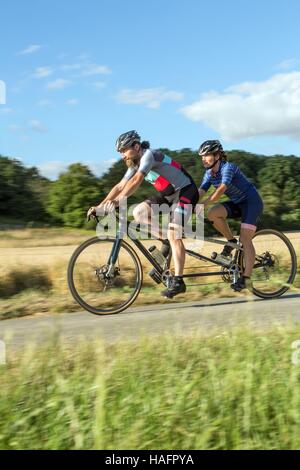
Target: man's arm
[(108, 204), (132, 185), (116, 190)]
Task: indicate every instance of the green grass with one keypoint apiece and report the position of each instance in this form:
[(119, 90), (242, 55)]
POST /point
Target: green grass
[(231, 391)]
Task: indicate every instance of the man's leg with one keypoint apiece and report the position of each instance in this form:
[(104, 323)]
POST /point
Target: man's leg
[(144, 215), (178, 250)]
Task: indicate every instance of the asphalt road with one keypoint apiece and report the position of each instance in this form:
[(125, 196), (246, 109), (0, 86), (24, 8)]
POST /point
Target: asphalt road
[(203, 317)]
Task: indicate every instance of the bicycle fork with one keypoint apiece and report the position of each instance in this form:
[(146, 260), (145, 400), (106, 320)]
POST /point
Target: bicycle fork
[(114, 255)]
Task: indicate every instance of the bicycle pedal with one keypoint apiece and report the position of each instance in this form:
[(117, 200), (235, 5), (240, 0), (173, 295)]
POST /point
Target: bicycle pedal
[(223, 260)]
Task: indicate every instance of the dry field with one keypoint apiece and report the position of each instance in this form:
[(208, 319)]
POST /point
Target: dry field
[(34, 264)]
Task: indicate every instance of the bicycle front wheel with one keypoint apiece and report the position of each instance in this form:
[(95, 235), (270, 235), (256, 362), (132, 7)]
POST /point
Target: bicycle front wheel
[(98, 287), (275, 264)]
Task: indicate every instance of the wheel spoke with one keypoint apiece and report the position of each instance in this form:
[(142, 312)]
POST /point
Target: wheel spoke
[(99, 287), (275, 266)]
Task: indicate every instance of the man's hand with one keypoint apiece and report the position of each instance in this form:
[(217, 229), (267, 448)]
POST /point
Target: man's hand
[(91, 212), (103, 208), (108, 206)]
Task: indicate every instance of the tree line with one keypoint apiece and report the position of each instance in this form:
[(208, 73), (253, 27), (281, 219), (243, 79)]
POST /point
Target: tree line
[(28, 196)]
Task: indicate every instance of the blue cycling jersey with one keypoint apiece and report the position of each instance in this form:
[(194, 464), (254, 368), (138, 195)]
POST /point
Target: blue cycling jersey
[(239, 188)]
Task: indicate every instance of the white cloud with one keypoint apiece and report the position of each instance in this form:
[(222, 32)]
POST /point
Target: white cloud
[(101, 167), (15, 128), (44, 103), (30, 49), (150, 97), (52, 169), (6, 110), (62, 56), (72, 102), (42, 72), (99, 85), (288, 64), (2, 92), (83, 57), (251, 109), (58, 84), (37, 126), (70, 67), (94, 69)]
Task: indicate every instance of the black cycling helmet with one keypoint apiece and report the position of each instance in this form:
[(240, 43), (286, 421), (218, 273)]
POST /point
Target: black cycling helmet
[(210, 146), (127, 140)]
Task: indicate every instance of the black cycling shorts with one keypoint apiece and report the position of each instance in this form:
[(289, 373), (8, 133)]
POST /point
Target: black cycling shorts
[(248, 211), (182, 203)]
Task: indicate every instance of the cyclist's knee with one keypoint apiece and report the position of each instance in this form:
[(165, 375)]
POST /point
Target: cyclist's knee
[(175, 233), (217, 212), (212, 214), (141, 212)]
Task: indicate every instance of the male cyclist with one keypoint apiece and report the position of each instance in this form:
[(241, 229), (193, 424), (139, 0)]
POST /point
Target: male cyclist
[(176, 189), (244, 203)]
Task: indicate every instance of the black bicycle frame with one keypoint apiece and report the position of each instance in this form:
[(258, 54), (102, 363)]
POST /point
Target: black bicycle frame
[(120, 235)]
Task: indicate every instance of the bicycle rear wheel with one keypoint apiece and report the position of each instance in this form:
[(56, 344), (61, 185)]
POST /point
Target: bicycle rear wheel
[(98, 287), (275, 265)]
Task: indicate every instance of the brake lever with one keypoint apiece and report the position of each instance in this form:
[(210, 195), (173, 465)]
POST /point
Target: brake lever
[(94, 217)]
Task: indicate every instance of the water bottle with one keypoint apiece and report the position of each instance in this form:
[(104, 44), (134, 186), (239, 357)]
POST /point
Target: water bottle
[(157, 255), (221, 259)]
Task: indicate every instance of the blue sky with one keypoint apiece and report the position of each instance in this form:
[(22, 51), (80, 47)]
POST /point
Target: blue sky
[(79, 73)]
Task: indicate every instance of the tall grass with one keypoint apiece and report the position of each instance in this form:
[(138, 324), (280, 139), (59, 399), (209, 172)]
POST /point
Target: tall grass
[(231, 391), (19, 279)]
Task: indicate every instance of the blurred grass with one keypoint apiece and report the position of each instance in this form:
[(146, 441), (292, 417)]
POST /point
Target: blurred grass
[(236, 390), (34, 237)]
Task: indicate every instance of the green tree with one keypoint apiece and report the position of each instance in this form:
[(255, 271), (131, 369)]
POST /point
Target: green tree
[(279, 184), (72, 194), (21, 191)]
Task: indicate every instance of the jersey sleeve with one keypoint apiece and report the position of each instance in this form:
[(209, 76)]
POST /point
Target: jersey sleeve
[(129, 173), (206, 183), (228, 173), (147, 162)]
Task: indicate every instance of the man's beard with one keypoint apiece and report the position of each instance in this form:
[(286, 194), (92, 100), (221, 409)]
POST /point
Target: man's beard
[(132, 162)]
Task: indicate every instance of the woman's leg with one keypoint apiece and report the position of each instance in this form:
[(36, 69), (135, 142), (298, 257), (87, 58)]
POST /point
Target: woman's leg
[(246, 237), (218, 215)]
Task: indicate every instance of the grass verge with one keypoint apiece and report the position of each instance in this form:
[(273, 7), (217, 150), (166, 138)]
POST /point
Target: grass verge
[(237, 390)]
